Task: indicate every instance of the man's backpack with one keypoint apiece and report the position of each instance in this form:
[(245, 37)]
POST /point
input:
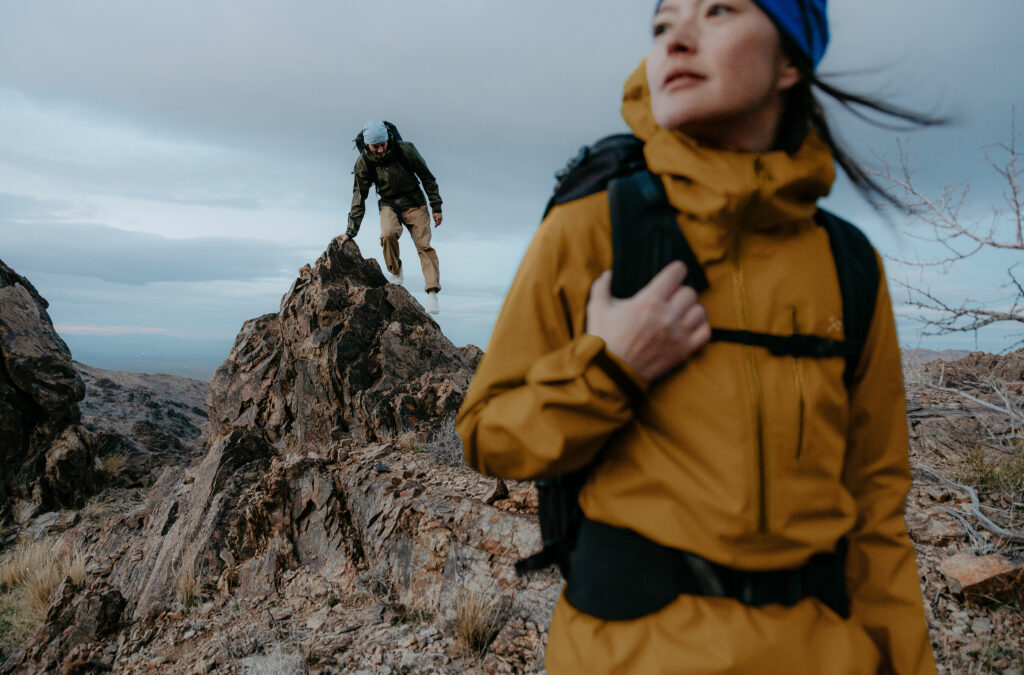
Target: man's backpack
[(645, 238), (394, 151)]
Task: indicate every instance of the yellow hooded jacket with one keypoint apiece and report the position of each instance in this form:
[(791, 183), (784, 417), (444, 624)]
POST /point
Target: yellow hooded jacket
[(751, 460)]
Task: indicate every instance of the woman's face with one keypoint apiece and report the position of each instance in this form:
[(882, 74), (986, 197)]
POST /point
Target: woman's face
[(717, 72)]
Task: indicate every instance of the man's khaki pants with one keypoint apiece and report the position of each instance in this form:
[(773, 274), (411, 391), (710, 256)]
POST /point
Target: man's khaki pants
[(418, 222)]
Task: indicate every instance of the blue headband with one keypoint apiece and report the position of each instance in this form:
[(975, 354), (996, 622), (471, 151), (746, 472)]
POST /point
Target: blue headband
[(802, 21)]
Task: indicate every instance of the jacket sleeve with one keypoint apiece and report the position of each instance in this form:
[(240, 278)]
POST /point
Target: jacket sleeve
[(360, 189), (427, 178), (881, 572), (546, 395)]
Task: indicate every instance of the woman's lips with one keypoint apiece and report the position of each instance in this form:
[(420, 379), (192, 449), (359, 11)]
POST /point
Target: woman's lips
[(681, 78)]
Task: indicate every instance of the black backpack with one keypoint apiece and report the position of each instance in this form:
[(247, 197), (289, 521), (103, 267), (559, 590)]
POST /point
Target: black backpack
[(645, 238), (394, 150)]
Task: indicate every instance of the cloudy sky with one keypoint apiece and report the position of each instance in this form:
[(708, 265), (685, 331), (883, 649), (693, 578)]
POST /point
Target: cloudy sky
[(166, 167)]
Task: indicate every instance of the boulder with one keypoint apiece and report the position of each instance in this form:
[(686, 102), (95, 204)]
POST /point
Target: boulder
[(45, 456), (983, 578)]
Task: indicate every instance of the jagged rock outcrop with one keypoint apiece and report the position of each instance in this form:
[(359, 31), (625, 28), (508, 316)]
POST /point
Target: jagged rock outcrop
[(347, 356), (46, 456), (291, 478)]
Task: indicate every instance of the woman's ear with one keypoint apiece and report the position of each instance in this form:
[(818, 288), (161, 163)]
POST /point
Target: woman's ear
[(789, 74)]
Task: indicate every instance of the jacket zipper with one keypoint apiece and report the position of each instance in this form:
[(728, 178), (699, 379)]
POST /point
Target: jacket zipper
[(801, 394), (750, 364)]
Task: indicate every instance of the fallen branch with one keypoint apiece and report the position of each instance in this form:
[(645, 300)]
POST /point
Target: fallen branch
[(975, 505), (980, 545)]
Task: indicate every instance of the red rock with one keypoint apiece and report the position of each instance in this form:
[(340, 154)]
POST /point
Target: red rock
[(980, 578)]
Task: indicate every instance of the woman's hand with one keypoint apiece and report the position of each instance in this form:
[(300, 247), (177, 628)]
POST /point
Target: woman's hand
[(655, 330)]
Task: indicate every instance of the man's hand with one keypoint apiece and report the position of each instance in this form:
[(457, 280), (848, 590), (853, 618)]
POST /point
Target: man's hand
[(656, 329), (341, 238), (437, 219)]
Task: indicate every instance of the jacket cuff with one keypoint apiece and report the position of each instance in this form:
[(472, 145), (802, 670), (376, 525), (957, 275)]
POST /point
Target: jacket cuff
[(633, 384), (590, 351)]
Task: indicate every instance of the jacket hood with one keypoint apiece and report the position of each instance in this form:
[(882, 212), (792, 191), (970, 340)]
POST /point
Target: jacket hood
[(759, 190)]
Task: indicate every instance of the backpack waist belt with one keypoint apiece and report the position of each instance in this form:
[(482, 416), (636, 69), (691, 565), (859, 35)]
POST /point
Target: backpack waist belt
[(618, 574)]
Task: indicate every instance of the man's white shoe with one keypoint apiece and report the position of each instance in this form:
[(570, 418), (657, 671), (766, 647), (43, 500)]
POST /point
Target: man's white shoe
[(432, 306), (397, 278)]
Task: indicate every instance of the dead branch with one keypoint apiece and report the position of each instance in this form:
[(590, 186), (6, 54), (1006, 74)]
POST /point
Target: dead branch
[(955, 237), (975, 505), (978, 542)]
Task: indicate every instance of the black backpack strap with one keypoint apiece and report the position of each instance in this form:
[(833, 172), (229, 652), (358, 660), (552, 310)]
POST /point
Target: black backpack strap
[(857, 268), (559, 512), (796, 345), (645, 235), (620, 575)]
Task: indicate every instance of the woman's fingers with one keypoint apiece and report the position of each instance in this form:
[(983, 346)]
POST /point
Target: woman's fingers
[(669, 279), (696, 338), (693, 316), (601, 289), (677, 304), (655, 330)]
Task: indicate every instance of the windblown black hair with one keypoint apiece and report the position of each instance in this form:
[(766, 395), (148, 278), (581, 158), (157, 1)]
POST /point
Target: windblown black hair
[(804, 111)]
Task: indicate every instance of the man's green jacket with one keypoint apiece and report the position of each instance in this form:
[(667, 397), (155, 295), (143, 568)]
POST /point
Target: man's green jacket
[(396, 181)]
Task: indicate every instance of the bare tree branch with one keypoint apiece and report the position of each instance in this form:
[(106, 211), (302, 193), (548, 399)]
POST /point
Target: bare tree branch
[(955, 238)]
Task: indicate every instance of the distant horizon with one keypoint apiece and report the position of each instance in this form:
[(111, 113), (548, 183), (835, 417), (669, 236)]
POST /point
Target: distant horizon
[(199, 360)]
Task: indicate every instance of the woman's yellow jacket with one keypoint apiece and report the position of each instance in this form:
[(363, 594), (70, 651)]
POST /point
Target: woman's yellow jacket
[(751, 460)]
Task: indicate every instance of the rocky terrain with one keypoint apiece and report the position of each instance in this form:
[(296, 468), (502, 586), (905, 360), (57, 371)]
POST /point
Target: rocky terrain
[(307, 511), (965, 511)]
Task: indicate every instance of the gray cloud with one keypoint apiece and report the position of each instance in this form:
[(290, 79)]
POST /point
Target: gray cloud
[(250, 109), (124, 257)]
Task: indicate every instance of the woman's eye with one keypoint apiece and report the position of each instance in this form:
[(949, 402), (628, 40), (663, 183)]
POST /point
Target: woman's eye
[(716, 9), (660, 28)]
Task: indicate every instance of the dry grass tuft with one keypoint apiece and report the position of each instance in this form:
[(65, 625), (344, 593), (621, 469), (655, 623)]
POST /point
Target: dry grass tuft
[(996, 471), (479, 618), (188, 587), (114, 464), (39, 587), (28, 577), (379, 581), (76, 568), (27, 558), (446, 447)]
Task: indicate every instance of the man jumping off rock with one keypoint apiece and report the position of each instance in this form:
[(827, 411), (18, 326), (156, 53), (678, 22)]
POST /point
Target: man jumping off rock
[(396, 169)]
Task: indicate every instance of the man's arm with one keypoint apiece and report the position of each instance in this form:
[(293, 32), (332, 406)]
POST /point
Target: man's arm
[(360, 189), (427, 178)]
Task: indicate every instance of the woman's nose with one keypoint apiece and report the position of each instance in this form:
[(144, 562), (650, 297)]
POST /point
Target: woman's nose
[(682, 35)]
